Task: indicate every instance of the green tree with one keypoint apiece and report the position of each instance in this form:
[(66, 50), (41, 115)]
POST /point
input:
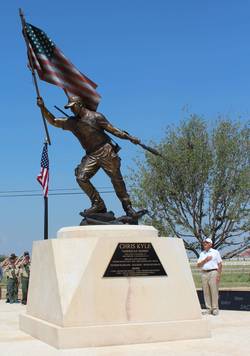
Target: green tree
[(201, 186), (2, 258)]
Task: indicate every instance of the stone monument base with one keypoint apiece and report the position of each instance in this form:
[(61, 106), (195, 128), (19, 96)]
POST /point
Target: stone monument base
[(116, 334), (111, 285)]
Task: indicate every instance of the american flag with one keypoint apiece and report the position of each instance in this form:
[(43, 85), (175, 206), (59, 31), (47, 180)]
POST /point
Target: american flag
[(53, 67), (43, 177)]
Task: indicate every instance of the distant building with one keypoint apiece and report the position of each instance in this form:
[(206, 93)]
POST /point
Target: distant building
[(245, 254)]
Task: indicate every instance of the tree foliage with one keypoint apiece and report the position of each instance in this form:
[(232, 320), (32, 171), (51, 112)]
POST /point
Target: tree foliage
[(2, 258), (201, 186)]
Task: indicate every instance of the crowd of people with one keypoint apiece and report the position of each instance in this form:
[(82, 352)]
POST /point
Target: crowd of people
[(17, 271)]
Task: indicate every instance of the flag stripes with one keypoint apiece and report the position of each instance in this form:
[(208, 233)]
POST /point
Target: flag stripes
[(52, 66), (43, 177)]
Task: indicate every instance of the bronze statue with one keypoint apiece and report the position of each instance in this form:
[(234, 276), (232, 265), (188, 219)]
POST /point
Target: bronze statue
[(90, 128)]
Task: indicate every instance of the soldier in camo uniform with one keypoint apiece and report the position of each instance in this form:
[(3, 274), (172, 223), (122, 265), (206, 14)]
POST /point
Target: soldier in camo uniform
[(12, 280), (24, 273)]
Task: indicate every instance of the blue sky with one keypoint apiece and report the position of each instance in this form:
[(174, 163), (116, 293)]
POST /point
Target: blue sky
[(152, 60)]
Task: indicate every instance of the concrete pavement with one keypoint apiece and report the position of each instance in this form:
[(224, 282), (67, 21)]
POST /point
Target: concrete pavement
[(230, 336)]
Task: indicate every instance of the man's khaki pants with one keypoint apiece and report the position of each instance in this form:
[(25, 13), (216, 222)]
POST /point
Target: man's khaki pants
[(210, 289)]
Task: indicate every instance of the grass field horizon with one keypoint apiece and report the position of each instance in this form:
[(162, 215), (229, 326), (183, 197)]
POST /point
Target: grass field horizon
[(235, 274)]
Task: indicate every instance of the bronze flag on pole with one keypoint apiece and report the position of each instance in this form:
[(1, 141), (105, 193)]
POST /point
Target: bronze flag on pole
[(53, 67)]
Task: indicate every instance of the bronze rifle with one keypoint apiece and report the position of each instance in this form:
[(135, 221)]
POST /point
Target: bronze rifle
[(145, 147)]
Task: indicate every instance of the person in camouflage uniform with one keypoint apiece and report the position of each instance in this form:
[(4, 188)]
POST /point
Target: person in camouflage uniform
[(12, 280), (24, 273), (1, 277)]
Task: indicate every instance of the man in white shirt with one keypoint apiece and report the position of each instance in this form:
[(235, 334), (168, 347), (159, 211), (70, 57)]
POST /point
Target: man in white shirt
[(211, 264)]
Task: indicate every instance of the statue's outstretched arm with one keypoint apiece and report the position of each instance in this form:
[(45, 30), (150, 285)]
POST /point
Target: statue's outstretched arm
[(117, 132)]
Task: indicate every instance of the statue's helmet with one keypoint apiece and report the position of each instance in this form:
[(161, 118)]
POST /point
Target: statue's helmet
[(73, 100)]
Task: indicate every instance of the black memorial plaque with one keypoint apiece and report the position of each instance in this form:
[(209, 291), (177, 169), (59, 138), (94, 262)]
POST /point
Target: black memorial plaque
[(137, 259)]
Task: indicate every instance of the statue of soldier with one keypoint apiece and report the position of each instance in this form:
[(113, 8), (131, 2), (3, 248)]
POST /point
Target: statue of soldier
[(90, 128)]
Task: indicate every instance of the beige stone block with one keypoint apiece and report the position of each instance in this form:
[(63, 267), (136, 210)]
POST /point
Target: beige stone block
[(113, 334), (78, 307), (107, 231)]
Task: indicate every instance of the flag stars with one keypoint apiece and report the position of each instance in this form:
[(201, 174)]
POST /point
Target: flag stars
[(39, 41)]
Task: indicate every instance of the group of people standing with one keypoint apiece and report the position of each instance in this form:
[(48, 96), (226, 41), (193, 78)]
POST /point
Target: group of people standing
[(17, 270)]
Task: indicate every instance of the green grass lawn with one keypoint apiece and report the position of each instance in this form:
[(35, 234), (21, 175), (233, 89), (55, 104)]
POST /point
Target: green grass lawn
[(232, 276), (228, 280)]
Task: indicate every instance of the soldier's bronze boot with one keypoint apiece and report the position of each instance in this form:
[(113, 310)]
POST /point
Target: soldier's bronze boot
[(130, 211), (97, 206)]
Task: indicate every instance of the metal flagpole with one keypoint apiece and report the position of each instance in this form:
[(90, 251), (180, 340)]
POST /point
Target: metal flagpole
[(33, 72), (47, 140), (45, 233), (46, 209), (45, 196)]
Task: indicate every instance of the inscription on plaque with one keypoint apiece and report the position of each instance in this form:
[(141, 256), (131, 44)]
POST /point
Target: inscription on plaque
[(137, 259)]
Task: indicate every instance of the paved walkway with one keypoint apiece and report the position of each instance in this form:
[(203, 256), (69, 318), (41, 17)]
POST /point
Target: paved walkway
[(230, 337)]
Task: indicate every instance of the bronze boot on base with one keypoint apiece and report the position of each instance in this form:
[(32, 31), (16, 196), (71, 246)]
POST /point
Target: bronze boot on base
[(97, 206), (129, 210)]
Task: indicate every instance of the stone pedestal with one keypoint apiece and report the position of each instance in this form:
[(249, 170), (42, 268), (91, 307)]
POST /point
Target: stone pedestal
[(71, 304)]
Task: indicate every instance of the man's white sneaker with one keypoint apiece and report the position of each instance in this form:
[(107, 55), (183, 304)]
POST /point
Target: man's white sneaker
[(215, 312), (206, 311)]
